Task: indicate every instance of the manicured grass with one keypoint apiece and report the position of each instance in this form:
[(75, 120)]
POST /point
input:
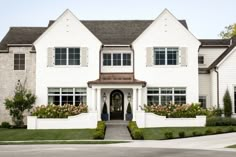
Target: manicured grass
[(233, 146), (62, 142), (24, 134), (159, 133)]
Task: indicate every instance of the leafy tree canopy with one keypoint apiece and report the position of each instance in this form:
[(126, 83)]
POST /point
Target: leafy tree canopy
[(229, 31)]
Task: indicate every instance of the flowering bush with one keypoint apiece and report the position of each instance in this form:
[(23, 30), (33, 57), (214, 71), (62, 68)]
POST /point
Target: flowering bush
[(56, 111), (177, 111)]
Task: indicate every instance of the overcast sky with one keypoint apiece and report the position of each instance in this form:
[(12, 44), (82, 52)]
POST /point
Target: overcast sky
[(205, 18)]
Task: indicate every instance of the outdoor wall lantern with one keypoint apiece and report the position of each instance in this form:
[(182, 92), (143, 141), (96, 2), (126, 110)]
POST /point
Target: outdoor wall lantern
[(104, 97), (129, 97)]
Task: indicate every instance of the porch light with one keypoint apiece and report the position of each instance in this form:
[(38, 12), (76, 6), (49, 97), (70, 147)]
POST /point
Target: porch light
[(104, 97), (129, 97)]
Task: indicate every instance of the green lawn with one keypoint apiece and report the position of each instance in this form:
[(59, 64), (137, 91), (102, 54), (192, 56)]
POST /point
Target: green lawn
[(233, 146), (159, 133), (24, 134)]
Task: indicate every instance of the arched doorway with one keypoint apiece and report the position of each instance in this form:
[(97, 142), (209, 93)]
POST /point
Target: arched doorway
[(116, 105)]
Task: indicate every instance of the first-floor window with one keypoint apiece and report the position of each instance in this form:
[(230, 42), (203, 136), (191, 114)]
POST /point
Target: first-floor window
[(202, 100), (61, 96), (164, 96)]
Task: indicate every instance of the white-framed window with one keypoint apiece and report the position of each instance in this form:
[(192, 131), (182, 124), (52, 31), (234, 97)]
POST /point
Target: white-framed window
[(67, 56), (19, 61), (61, 96), (166, 56), (203, 101), (116, 59), (163, 96), (201, 59)]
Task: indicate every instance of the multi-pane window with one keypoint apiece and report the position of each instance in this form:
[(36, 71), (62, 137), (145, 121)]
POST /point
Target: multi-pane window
[(202, 100), (61, 96), (166, 56), (106, 59), (60, 56), (200, 59), (19, 61), (126, 59), (116, 59), (74, 56), (67, 56), (163, 96)]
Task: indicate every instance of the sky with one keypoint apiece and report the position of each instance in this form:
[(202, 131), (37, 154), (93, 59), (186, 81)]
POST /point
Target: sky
[(205, 18)]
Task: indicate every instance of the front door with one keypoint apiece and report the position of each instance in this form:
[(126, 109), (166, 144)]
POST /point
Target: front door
[(116, 105)]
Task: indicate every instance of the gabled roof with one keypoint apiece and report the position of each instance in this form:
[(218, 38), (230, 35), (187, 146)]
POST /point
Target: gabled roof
[(224, 54), (121, 32)]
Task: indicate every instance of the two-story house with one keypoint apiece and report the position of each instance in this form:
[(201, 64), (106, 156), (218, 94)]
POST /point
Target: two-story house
[(138, 61)]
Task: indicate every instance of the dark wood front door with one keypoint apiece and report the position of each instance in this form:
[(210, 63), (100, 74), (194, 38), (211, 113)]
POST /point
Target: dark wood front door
[(116, 105)]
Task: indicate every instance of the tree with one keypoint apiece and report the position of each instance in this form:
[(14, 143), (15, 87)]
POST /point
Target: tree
[(23, 100), (229, 31), (227, 104)]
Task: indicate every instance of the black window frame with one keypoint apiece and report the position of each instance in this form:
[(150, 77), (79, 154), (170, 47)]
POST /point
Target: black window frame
[(19, 61)]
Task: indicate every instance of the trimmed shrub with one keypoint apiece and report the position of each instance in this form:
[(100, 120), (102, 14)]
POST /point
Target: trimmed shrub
[(196, 133), (100, 130), (221, 121), (181, 134), (5, 125), (227, 104), (169, 135), (129, 110), (219, 131), (209, 132), (230, 129), (136, 133), (57, 111)]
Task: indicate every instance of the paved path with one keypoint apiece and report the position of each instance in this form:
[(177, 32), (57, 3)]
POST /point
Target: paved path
[(104, 151), (117, 130)]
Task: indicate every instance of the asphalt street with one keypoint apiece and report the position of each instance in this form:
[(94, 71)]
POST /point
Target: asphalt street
[(103, 151)]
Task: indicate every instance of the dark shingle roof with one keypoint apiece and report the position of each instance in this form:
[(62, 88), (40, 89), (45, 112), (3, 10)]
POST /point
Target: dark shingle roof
[(21, 35), (214, 42), (108, 32), (224, 54)]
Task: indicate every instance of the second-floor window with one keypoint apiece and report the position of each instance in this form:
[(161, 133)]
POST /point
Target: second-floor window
[(166, 56), (200, 59), (116, 59), (67, 56), (19, 61)]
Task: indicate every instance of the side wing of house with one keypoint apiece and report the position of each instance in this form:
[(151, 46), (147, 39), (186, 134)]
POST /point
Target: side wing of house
[(67, 58), (166, 58)]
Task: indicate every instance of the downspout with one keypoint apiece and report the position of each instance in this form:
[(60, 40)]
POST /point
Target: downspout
[(217, 79)]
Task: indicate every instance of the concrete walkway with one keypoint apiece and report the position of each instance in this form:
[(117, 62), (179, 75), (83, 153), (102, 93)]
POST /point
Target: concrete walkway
[(117, 130)]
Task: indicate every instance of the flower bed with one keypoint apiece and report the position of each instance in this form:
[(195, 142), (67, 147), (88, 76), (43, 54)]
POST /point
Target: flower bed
[(177, 111), (56, 111)]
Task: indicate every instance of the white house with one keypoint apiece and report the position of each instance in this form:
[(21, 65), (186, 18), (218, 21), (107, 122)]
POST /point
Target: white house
[(137, 61)]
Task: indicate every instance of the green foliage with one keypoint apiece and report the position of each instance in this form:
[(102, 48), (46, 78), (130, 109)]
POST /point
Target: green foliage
[(100, 130), (209, 131), (136, 133), (57, 111), (181, 134), (169, 135), (23, 100), (219, 131), (129, 110), (229, 32), (5, 125), (221, 121), (104, 109), (227, 104), (196, 133), (230, 129), (177, 111)]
